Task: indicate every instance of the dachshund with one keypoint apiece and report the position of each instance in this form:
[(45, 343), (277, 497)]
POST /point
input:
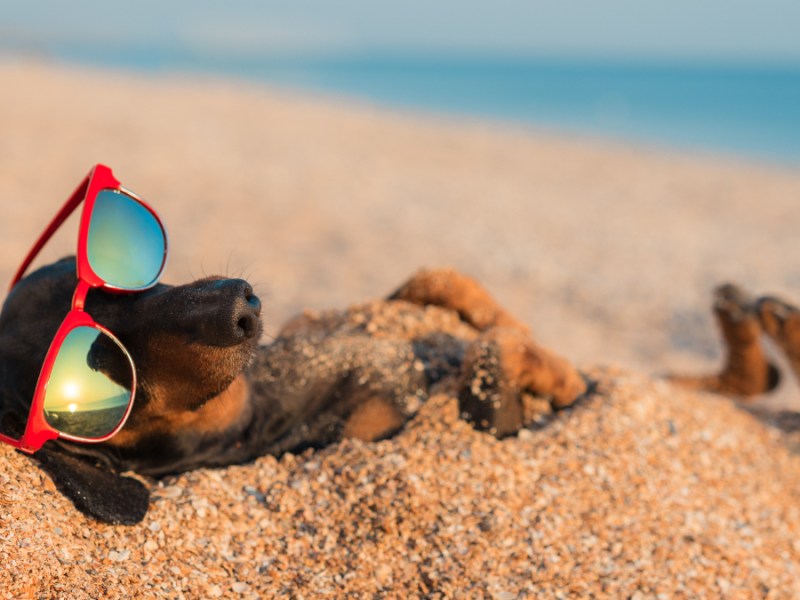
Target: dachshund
[(209, 395)]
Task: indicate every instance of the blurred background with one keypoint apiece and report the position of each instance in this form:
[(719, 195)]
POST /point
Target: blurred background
[(599, 166), (718, 75)]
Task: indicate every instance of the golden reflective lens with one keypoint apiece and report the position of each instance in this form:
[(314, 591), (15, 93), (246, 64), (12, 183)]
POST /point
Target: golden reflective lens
[(89, 388)]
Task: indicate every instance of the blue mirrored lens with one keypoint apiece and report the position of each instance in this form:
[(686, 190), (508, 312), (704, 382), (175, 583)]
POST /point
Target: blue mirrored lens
[(90, 386), (126, 245)]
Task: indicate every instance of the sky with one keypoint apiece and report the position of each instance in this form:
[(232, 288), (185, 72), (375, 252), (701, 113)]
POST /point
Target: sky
[(764, 31)]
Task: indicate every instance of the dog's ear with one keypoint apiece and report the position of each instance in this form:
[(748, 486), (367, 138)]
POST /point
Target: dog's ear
[(96, 492)]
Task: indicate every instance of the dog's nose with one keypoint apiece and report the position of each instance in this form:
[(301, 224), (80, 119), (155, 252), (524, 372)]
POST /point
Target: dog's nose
[(247, 312), (238, 312)]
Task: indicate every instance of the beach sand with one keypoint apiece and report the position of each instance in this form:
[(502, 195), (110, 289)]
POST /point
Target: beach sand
[(609, 251)]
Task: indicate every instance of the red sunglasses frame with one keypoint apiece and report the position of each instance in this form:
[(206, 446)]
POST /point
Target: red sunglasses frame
[(37, 429)]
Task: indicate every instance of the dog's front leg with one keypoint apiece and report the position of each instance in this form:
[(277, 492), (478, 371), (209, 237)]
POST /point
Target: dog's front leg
[(450, 289)]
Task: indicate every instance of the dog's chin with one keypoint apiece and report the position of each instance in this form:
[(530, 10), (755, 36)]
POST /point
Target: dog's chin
[(224, 386), (235, 364)]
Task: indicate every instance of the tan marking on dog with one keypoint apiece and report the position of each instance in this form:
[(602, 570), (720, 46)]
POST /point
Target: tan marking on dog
[(218, 414), (372, 420)]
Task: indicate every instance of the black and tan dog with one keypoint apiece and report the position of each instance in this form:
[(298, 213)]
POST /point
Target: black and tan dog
[(209, 395)]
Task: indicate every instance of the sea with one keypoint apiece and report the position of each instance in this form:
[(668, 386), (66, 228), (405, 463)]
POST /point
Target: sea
[(739, 110)]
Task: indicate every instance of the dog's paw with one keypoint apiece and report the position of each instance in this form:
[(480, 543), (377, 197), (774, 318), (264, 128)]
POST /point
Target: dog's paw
[(781, 322), (732, 303), (508, 382), (486, 399)]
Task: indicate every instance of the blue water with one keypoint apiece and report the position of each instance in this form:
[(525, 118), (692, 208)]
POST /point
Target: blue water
[(750, 111)]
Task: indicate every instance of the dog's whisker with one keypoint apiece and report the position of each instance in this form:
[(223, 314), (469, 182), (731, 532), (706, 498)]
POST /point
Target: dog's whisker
[(247, 269), (255, 284), (228, 264), (190, 270)]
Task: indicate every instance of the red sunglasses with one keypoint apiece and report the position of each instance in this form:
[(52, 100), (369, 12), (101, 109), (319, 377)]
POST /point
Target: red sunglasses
[(87, 384)]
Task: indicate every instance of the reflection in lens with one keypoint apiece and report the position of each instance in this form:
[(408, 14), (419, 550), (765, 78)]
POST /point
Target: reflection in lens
[(90, 386), (126, 243)]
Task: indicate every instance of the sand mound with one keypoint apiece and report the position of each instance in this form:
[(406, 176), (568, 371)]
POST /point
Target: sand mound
[(642, 488)]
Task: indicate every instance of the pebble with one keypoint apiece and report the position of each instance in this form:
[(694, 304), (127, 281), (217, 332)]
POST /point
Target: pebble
[(119, 556), (171, 492)]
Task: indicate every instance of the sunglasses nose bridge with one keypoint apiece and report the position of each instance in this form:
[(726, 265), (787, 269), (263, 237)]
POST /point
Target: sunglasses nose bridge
[(79, 297)]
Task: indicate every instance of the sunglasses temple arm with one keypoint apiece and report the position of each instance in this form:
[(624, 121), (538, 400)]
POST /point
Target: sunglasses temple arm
[(11, 441), (69, 207)]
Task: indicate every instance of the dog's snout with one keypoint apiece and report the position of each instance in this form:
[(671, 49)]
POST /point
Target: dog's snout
[(236, 313)]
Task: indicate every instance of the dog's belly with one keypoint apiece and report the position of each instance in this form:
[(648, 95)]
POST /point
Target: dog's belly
[(323, 367)]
